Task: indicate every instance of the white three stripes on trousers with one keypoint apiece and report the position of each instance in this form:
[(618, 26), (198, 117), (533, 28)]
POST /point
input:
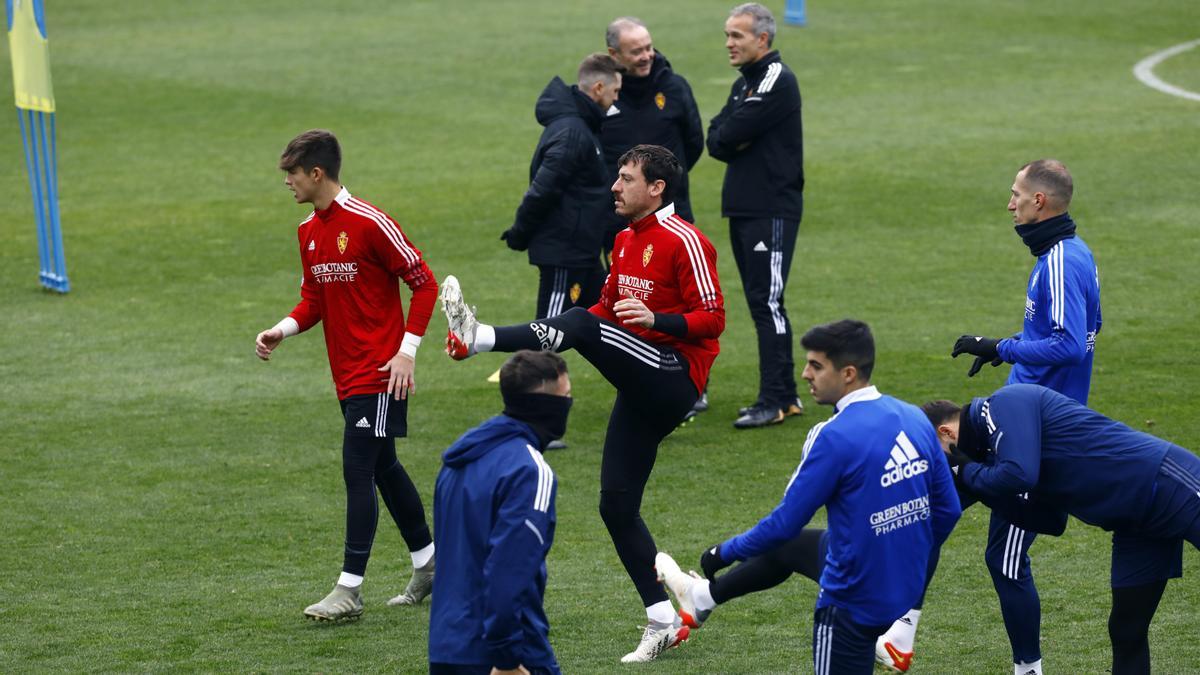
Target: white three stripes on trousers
[(823, 644), (630, 345), (691, 243), (1179, 473), (381, 409), (541, 498), (775, 291), (558, 293), (1011, 564)]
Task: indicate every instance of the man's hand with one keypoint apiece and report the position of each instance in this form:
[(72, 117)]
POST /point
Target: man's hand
[(514, 241), (633, 312), (983, 348), (400, 381), (519, 670), (266, 342), (957, 457), (711, 562)]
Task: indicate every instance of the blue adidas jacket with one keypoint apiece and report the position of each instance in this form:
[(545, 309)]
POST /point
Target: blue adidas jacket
[(1069, 458), (1062, 317), (878, 468), (493, 524)]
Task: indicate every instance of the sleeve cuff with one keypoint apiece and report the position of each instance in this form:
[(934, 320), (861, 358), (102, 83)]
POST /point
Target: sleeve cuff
[(671, 324), (288, 326), (408, 346)]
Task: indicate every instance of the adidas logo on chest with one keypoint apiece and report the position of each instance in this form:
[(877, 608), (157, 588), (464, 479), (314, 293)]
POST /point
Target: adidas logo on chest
[(904, 463)]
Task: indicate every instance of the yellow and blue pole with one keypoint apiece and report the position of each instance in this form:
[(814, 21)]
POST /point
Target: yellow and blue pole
[(35, 114)]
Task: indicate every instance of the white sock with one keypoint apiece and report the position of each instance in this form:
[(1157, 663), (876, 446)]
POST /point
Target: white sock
[(662, 612), (485, 338), (422, 557), (1022, 668), (350, 580), (701, 596), (903, 632)]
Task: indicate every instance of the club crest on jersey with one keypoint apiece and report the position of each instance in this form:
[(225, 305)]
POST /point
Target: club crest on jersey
[(660, 100), (343, 241), (574, 292), (647, 254)]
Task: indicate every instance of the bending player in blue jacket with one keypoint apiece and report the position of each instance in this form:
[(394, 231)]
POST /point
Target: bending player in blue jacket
[(1073, 460), (876, 466), (493, 526), (1055, 349)]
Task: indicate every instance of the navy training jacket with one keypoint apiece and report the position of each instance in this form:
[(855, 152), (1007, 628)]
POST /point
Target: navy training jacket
[(493, 525)]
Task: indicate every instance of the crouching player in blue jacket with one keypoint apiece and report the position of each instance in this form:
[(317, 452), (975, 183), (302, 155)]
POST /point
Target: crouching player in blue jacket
[(876, 466), (1071, 460), (493, 526)]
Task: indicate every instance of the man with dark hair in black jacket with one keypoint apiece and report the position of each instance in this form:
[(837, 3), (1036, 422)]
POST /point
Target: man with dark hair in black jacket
[(560, 220), (759, 135)]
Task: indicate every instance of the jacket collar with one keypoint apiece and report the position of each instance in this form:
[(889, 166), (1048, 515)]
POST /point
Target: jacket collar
[(868, 393), (590, 112), (653, 218), (752, 71), (339, 202)]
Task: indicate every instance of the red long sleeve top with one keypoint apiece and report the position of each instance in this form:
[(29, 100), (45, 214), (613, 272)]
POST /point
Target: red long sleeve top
[(668, 264), (352, 254)]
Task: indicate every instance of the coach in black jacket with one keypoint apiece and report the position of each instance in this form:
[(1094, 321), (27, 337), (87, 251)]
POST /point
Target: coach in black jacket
[(758, 134), (561, 219), (656, 108)]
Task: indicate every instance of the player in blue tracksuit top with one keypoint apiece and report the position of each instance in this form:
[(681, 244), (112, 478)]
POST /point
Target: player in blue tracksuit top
[(1069, 459), (876, 467), (493, 526), (1054, 349)]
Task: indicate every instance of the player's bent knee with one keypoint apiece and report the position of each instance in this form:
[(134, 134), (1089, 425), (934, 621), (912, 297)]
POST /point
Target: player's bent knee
[(618, 508), (1127, 634)]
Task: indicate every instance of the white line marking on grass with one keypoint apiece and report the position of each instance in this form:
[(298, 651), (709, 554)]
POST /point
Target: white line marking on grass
[(1144, 71)]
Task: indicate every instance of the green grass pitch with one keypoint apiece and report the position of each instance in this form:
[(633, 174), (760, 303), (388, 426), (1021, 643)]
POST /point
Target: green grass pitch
[(170, 503)]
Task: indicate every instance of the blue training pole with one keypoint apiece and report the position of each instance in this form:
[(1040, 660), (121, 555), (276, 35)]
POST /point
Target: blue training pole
[(31, 165), (58, 271)]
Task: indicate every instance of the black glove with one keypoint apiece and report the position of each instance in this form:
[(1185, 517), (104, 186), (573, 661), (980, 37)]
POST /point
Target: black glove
[(957, 457), (514, 241), (983, 348), (711, 562)]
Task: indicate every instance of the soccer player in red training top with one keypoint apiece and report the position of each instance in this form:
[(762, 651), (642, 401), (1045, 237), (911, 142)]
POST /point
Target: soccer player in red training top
[(653, 335), (353, 254)]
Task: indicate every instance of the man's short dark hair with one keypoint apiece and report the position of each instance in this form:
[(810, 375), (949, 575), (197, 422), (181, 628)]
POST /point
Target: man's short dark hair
[(529, 371), (1051, 177), (314, 148), (598, 66), (845, 343), (941, 411), (657, 163)]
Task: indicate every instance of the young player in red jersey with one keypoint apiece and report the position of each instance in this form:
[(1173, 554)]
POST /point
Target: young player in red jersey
[(353, 255), (653, 335)]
